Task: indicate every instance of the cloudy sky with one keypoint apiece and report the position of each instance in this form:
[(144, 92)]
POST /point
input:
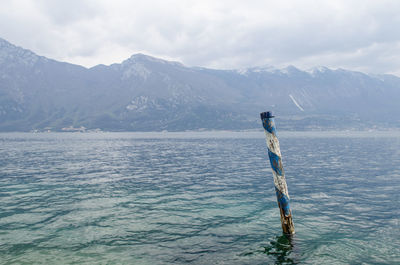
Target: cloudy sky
[(357, 35)]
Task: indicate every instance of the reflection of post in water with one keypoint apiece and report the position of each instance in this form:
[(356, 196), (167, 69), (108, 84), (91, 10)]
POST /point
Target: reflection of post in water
[(281, 248), (275, 159)]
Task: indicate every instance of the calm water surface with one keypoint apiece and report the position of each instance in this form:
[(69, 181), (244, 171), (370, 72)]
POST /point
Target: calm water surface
[(200, 198)]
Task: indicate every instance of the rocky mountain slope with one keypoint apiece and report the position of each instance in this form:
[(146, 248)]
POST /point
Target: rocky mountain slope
[(144, 93)]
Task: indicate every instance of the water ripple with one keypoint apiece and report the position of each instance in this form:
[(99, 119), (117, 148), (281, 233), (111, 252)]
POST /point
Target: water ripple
[(202, 198)]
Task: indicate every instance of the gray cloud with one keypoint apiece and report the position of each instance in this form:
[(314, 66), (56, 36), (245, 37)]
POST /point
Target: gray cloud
[(359, 35)]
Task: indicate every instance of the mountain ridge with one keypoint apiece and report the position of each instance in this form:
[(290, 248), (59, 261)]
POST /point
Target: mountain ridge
[(145, 93)]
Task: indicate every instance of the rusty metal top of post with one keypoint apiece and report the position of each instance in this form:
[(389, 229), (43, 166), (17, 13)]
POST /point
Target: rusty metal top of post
[(268, 121), (266, 115)]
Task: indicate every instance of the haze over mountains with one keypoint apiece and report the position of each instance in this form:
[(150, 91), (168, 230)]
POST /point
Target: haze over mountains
[(144, 93)]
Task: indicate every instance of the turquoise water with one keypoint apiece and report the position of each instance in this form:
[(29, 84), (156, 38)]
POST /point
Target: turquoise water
[(199, 198)]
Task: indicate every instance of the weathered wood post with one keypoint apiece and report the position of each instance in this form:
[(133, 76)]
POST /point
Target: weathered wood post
[(275, 158)]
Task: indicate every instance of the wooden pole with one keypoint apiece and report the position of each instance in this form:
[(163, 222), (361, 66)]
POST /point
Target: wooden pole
[(275, 159)]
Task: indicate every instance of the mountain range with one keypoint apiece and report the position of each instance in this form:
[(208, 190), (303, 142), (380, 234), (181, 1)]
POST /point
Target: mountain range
[(144, 93)]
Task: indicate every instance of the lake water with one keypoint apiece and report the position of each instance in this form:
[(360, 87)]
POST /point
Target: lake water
[(199, 198)]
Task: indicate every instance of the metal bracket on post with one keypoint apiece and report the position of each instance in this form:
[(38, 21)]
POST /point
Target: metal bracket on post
[(275, 159)]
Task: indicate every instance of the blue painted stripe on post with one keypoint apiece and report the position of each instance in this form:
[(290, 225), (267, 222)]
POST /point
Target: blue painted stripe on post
[(276, 163), (283, 201), (269, 125)]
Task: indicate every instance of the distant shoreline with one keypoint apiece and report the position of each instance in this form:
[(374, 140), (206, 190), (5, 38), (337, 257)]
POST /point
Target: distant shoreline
[(209, 134)]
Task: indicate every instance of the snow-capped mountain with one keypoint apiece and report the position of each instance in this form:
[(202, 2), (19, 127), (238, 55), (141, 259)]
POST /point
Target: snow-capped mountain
[(147, 93)]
